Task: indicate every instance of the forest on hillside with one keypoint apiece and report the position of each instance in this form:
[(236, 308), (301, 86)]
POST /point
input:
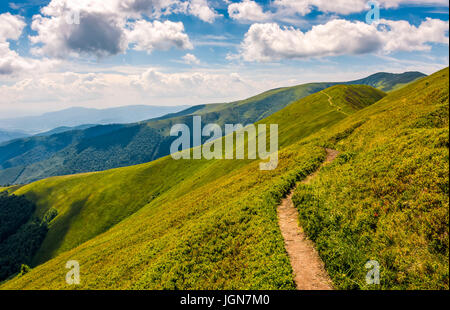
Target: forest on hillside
[(21, 233)]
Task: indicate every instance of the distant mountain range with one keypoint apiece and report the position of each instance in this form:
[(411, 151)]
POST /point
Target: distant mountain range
[(77, 116), (213, 224), (111, 146), (389, 81), (6, 135), (64, 129)]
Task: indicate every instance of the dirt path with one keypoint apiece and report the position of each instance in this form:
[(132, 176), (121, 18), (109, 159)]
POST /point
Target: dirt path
[(308, 267), (333, 105)]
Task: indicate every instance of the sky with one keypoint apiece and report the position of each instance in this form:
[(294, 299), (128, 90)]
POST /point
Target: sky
[(106, 53)]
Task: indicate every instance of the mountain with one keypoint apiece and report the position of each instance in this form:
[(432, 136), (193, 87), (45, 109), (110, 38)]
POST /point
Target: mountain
[(389, 81), (386, 197), (100, 148), (212, 224), (10, 135), (112, 196), (65, 129), (77, 116)]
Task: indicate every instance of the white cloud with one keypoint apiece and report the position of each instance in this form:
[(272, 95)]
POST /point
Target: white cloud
[(156, 8), (98, 34), (304, 7), (11, 26), (190, 85), (247, 10), (402, 36), (128, 85), (287, 10), (133, 8), (53, 91), (148, 36), (267, 42), (151, 8), (11, 63), (202, 10), (190, 59), (102, 29), (397, 3)]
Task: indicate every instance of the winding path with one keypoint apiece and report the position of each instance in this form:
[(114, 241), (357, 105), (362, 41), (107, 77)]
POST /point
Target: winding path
[(333, 105), (308, 268)]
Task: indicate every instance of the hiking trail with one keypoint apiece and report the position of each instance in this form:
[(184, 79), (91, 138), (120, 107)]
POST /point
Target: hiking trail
[(339, 109), (309, 271)]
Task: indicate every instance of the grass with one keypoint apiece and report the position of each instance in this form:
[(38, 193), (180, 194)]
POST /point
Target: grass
[(307, 116), (386, 196), (111, 146), (212, 224), (176, 224)]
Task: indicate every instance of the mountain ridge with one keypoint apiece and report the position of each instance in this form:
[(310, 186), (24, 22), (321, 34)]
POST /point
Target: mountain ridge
[(77, 116), (213, 224), (141, 142), (68, 231)]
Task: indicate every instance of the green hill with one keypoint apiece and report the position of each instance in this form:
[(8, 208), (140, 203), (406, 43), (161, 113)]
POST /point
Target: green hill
[(385, 198), (389, 81), (198, 224), (113, 197), (105, 147)]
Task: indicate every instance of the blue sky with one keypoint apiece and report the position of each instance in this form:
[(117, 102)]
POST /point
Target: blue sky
[(176, 52)]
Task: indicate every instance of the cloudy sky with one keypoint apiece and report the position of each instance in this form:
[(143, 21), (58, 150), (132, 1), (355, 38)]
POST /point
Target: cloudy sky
[(103, 53)]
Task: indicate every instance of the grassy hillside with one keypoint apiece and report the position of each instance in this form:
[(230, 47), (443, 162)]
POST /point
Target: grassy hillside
[(315, 112), (386, 196), (213, 225), (97, 149), (105, 147), (389, 81), (189, 224)]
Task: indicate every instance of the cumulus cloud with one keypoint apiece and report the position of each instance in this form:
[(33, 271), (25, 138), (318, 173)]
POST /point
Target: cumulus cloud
[(156, 8), (101, 28), (11, 27), (402, 36), (250, 11), (73, 28), (190, 85), (202, 10), (190, 59), (267, 42), (304, 7), (247, 10), (151, 86), (397, 3), (98, 34), (147, 36), (11, 63), (133, 8), (134, 85), (151, 8)]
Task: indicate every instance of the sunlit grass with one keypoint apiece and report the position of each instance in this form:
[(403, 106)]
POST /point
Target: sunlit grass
[(386, 196), (201, 224)]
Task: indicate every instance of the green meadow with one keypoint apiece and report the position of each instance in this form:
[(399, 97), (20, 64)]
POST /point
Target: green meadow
[(212, 224), (98, 148), (385, 198)]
